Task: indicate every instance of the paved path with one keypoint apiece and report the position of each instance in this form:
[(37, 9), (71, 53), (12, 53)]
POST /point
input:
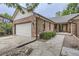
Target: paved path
[(9, 42), (57, 43), (49, 48)]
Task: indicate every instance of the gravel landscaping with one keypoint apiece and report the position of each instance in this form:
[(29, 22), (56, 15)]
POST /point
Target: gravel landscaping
[(22, 51)]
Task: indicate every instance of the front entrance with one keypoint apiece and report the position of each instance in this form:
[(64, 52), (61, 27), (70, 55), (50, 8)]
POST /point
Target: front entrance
[(60, 28)]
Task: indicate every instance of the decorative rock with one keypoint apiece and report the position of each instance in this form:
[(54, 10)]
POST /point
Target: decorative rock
[(69, 52), (22, 51)]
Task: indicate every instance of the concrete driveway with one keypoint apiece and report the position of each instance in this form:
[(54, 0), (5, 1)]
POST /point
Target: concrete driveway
[(9, 42)]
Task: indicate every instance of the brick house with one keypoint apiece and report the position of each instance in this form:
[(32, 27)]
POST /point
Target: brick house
[(68, 23), (30, 24)]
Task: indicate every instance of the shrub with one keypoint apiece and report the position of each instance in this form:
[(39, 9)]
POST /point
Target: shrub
[(53, 34), (47, 35), (1, 32)]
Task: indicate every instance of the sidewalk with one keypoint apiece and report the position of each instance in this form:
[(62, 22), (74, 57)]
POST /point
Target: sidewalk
[(50, 48)]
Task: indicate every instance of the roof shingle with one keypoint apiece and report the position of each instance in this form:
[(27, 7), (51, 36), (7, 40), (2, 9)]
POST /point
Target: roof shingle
[(63, 19)]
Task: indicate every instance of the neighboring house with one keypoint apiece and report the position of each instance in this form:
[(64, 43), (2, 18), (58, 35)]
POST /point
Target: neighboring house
[(4, 20), (68, 23), (4, 29), (30, 24)]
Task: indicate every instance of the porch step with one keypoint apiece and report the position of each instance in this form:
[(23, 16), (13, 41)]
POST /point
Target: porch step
[(63, 33)]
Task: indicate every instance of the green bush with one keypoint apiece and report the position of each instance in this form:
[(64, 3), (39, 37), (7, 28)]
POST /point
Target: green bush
[(1, 32), (53, 34), (47, 35)]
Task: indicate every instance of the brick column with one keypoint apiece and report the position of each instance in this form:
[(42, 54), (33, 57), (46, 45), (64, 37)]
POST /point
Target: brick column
[(57, 27), (13, 29), (71, 28)]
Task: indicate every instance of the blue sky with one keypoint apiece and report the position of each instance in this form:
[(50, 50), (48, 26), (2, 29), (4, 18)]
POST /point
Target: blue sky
[(4, 8), (50, 10), (44, 9)]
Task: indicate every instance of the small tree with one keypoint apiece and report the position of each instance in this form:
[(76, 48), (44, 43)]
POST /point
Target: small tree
[(71, 9), (1, 29), (8, 28), (6, 15)]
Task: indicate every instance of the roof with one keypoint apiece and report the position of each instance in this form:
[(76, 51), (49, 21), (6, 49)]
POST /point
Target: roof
[(16, 11), (64, 19), (43, 17), (59, 19)]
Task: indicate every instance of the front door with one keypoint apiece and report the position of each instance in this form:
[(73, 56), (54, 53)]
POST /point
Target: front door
[(60, 28)]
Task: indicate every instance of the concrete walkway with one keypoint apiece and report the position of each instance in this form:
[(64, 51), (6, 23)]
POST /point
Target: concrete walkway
[(57, 44), (10, 42), (50, 48)]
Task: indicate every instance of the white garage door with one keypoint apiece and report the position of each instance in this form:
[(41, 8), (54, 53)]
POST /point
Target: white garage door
[(23, 29)]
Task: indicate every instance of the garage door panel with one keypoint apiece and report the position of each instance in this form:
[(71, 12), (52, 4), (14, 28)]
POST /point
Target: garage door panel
[(23, 29)]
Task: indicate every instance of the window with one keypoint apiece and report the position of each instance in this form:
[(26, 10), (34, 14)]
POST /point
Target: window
[(44, 26), (55, 26), (49, 26)]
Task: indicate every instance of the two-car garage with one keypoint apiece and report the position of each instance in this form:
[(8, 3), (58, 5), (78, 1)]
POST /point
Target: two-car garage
[(24, 29)]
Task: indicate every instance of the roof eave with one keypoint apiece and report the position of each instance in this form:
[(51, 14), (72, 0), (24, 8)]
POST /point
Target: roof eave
[(43, 17)]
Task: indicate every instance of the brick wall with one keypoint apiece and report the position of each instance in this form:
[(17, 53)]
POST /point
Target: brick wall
[(69, 27), (46, 26), (52, 26), (76, 27), (26, 20), (40, 24)]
